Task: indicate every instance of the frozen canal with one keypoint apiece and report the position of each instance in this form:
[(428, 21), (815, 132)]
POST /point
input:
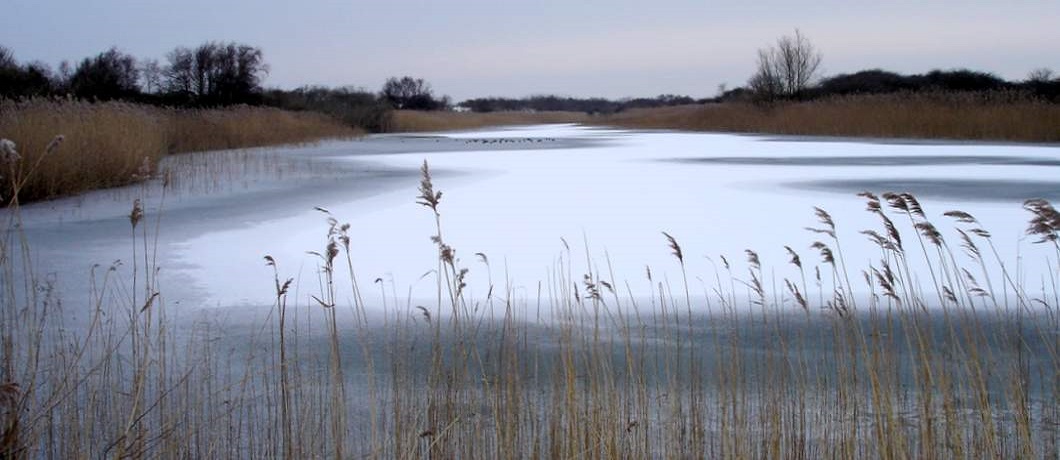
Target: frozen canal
[(522, 197)]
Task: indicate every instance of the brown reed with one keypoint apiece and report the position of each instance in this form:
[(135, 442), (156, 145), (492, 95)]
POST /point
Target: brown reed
[(106, 144), (419, 121), (569, 373), (996, 117)]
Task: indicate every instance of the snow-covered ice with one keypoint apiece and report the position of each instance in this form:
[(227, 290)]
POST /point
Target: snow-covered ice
[(524, 201)]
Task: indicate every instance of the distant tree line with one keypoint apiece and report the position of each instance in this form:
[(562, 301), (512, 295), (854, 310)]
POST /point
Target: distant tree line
[(570, 104), (216, 74), (1040, 85), (24, 80), (789, 70), (878, 81), (213, 74)]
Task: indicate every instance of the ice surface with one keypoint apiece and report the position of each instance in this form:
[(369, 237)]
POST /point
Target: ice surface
[(605, 194)]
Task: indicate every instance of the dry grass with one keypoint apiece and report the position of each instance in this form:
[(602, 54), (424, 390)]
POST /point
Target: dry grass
[(243, 126), (106, 144), (749, 368), (989, 117), (405, 121)]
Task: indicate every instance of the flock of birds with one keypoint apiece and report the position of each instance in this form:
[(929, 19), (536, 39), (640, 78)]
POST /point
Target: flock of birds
[(508, 140), (487, 141)]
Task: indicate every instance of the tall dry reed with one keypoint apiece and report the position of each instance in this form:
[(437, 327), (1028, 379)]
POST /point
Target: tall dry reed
[(819, 358), (999, 117), (404, 121), (106, 143), (245, 126)]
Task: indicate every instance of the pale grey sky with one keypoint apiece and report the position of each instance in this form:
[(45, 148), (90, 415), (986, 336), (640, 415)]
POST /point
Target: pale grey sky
[(472, 48)]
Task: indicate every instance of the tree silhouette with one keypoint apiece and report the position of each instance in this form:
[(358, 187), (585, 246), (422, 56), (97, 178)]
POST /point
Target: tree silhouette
[(787, 69), (110, 75)]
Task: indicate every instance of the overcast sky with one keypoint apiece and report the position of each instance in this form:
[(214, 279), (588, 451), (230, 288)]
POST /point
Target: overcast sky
[(472, 48)]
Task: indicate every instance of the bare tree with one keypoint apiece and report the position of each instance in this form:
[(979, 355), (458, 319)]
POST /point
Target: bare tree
[(151, 76), (203, 58), (7, 58), (216, 73), (411, 93), (787, 69), (110, 75), (64, 75), (1040, 75), (180, 72), (236, 73), (765, 84), (404, 92), (23, 80)]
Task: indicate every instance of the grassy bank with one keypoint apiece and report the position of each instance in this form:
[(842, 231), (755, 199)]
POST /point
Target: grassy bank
[(760, 361), (941, 116), (404, 121), (108, 144)]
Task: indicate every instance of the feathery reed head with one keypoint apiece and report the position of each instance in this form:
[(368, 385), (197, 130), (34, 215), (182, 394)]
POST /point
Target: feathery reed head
[(426, 314), (880, 241), (675, 247), (930, 232), (8, 151), (795, 259), (752, 259), (1046, 220), (794, 290), (54, 144), (892, 231), (912, 204), (872, 202), (428, 197), (137, 212), (825, 219), (961, 217), (826, 252), (896, 202), (869, 195), (969, 246), (886, 281)]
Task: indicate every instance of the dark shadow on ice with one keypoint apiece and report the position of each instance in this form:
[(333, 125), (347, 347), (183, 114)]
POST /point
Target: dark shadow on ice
[(1015, 191), (902, 160), (894, 141)]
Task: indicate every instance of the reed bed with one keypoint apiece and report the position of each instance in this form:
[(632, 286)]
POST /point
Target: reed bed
[(245, 126), (110, 144), (404, 121), (965, 366), (997, 117), (104, 145)]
